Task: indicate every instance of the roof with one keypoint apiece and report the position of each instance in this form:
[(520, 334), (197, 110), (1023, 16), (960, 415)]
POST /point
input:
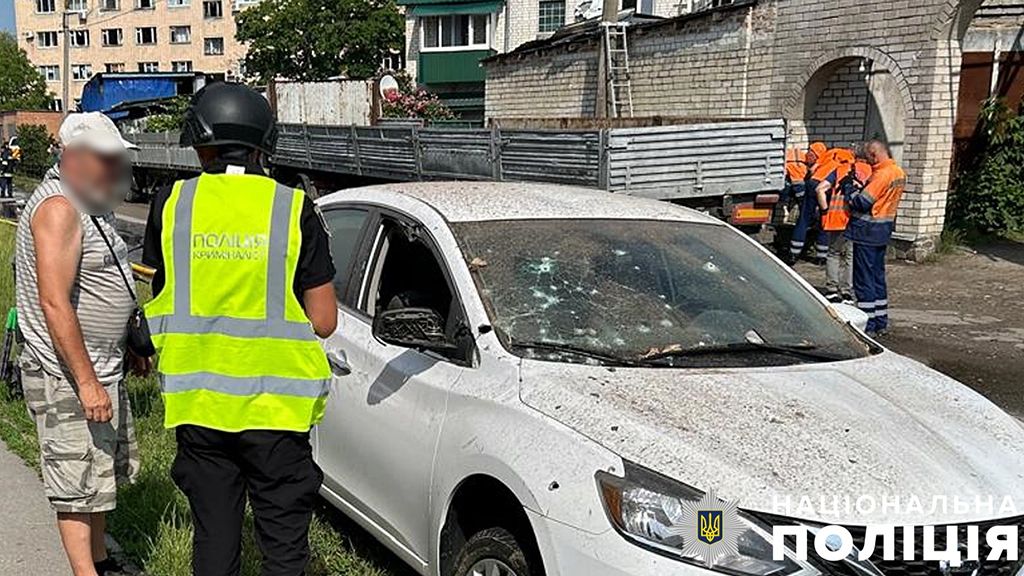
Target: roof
[(590, 30), (476, 201)]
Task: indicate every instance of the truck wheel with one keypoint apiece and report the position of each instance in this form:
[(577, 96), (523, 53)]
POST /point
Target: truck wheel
[(492, 552)]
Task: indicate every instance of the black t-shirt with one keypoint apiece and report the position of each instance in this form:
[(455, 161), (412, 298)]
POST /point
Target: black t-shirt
[(315, 267)]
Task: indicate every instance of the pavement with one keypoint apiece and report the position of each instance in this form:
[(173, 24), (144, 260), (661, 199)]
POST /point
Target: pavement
[(29, 544)]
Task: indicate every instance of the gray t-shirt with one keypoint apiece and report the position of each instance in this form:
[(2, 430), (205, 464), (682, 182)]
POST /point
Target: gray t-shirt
[(99, 295)]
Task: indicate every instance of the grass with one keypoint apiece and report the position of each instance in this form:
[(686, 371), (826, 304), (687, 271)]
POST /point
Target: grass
[(152, 521)]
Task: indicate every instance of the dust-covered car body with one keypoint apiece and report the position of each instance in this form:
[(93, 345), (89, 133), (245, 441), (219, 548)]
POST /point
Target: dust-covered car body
[(593, 348)]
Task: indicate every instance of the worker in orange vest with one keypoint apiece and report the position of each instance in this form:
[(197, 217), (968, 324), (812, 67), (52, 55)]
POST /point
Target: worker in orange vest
[(808, 204), (849, 171), (872, 221), (796, 175)]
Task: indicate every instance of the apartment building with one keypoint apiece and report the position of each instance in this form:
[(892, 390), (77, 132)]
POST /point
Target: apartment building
[(129, 36), (446, 39)]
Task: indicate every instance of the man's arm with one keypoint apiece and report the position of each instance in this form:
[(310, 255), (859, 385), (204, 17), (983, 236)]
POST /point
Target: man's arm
[(822, 192), (321, 309), (57, 235)]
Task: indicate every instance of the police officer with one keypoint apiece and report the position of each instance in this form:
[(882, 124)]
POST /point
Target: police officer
[(242, 290)]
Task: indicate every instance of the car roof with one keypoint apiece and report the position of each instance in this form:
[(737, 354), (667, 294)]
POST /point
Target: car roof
[(462, 201)]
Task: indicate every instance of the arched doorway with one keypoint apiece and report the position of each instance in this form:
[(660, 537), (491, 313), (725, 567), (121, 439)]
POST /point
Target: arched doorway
[(851, 99)]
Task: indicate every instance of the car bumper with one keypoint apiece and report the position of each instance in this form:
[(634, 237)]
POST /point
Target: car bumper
[(571, 552)]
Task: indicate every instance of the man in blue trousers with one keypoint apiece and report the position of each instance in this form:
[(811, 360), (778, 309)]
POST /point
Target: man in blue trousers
[(872, 220)]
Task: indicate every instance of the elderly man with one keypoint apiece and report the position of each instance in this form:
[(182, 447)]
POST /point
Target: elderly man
[(74, 305)]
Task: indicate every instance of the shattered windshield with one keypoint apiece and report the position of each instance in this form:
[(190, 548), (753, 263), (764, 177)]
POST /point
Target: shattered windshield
[(647, 293)]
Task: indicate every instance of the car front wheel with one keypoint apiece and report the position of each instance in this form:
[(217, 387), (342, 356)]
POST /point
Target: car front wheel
[(492, 552)]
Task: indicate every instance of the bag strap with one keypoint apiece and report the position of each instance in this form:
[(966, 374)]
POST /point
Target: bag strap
[(117, 262)]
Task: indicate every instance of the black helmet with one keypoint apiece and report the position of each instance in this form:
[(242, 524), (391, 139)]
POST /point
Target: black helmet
[(224, 113)]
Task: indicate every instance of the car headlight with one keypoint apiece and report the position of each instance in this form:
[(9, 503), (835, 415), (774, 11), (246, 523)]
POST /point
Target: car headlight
[(647, 508)]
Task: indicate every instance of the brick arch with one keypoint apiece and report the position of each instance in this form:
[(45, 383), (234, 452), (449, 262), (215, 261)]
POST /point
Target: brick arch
[(793, 109), (952, 18)]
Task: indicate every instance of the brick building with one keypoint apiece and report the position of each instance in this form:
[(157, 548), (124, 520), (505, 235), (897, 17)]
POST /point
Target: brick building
[(838, 71), (446, 39), (129, 36)]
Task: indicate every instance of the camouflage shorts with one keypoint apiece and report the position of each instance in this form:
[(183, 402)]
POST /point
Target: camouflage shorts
[(82, 462)]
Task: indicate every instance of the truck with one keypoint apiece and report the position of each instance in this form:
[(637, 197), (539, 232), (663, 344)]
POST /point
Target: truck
[(733, 169)]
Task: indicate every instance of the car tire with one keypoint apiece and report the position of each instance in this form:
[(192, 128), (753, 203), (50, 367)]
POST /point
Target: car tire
[(492, 552)]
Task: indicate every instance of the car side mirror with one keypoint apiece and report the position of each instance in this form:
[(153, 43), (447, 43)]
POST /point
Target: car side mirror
[(855, 316), (419, 328)]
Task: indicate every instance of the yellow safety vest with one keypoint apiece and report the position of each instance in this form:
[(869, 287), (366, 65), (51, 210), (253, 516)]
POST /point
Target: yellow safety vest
[(236, 350)]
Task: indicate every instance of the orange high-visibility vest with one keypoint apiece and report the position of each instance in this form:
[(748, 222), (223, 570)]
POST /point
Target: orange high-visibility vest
[(796, 165), (836, 218)]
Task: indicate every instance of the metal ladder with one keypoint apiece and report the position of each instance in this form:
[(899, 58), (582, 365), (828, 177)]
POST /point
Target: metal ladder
[(620, 90)]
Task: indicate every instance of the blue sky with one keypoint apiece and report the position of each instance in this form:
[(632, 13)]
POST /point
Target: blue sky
[(7, 15)]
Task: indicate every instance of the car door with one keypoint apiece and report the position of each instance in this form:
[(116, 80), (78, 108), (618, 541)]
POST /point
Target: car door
[(377, 440)]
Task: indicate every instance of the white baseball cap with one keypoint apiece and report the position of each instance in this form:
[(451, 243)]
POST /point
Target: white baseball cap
[(94, 131)]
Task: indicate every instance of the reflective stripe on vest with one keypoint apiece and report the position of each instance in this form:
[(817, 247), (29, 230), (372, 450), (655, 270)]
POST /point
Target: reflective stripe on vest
[(236, 350)]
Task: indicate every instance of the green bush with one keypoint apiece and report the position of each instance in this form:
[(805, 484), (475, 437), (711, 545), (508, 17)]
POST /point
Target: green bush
[(36, 149), (988, 195), (171, 118)]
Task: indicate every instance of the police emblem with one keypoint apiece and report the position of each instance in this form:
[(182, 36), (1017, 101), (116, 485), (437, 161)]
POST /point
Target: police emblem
[(710, 528)]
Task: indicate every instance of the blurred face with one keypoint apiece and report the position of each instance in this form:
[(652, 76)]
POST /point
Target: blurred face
[(811, 157), (99, 181), (876, 153)]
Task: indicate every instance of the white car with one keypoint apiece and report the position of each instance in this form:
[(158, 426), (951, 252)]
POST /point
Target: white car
[(531, 379)]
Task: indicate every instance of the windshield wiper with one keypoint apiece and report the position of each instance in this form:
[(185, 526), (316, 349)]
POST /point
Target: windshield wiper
[(751, 345), (558, 347)]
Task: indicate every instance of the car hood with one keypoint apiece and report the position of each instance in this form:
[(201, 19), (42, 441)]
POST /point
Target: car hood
[(786, 440)]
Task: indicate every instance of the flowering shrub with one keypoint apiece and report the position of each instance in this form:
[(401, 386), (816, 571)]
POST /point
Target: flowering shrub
[(415, 103)]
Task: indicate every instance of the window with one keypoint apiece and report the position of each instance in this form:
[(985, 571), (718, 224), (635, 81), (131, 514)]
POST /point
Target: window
[(345, 225), (213, 46), (145, 4), (144, 36), (407, 274), (551, 15), (113, 67), (179, 3), (81, 71), (46, 6), (57, 105), (110, 5), (113, 37), (181, 66), (79, 38), (149, 66), (46, 39), (213, 9), (78, 5), (51, 73), (181, 34), (456, 31)]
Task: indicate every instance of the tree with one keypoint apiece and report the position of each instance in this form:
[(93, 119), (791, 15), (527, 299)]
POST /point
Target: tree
[(22, 87), (36, 146), (311, 40)]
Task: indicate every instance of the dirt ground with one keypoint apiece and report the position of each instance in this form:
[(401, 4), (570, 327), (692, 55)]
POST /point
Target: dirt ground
[(962, 314)]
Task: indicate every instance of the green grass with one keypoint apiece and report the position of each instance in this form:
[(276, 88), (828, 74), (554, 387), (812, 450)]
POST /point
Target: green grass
[(152, 521)]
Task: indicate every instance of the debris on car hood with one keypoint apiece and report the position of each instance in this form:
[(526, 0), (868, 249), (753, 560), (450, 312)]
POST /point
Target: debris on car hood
[(883, 426)]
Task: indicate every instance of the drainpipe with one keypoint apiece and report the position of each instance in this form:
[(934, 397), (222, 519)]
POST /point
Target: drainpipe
[(746, 60), (508, 28)]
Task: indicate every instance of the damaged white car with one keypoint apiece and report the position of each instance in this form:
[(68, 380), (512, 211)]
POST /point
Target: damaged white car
[(534, 379)]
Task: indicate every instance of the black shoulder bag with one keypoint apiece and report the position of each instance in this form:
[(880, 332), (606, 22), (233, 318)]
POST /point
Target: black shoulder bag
[(139, 341)]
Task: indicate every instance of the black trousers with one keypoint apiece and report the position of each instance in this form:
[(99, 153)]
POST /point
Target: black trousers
[(275, 470)]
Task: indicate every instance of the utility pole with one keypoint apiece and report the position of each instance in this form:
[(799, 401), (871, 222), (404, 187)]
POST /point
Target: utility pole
[(66, 72), (609, 14)]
